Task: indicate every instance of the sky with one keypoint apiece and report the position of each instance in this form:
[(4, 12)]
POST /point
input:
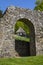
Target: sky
[(30, 4)]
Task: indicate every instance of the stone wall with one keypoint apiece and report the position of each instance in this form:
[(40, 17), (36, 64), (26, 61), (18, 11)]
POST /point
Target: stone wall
[(11, 15)]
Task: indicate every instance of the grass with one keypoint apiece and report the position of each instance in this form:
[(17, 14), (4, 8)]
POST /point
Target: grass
[(35, 60), (21, 38)]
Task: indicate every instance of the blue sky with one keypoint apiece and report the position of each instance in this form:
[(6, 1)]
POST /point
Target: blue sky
[(20, 3)]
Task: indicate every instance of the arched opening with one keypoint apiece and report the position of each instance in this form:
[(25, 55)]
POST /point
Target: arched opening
[(25, 38)]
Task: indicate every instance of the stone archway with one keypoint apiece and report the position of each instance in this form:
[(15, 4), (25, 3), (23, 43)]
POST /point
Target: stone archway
[(26, 48)]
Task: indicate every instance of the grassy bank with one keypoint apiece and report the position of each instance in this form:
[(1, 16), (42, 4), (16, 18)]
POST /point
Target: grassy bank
[(21, 38), (36, 60)]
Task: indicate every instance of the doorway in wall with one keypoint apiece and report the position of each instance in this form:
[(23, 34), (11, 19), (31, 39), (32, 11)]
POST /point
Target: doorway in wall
[(25, 38)]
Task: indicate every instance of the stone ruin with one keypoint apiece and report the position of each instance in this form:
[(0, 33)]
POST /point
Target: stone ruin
[(9, 47)]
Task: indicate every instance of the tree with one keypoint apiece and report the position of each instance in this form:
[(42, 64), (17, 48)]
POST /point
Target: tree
[(39, 5), (1, 13), (38, 2)]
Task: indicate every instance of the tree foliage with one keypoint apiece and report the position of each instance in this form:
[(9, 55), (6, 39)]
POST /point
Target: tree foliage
[(1, 13), (38, 2), (39, 5), (22, 25)]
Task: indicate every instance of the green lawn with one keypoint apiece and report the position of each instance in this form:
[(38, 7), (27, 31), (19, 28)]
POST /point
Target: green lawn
[(35, 60), (21, 38)]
